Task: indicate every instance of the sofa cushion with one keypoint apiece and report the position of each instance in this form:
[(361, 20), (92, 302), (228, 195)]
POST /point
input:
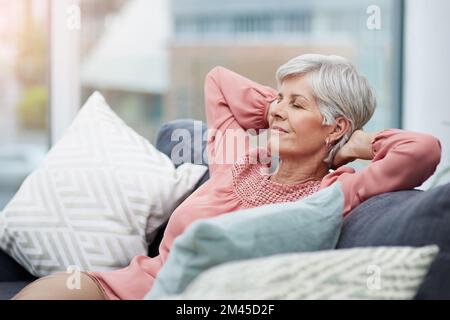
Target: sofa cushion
[(406, 218), (10, 289)]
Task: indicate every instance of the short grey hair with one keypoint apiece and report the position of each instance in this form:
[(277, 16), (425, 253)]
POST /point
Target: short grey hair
[(339, 90)]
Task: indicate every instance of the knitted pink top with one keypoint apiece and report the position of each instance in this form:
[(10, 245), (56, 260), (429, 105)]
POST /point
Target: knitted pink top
[(234, 104), (251, 184)]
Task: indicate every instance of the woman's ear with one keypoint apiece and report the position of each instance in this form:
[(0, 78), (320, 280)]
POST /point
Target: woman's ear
[(339, 129)]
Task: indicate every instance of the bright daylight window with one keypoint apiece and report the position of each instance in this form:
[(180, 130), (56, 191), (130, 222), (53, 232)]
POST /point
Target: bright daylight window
[(24, 54)]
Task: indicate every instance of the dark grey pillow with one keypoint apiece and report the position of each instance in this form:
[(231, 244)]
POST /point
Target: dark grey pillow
[(406, 218), (165, 143)]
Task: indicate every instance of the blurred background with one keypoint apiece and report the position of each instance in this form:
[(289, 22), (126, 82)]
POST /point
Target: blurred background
[(149, 59)]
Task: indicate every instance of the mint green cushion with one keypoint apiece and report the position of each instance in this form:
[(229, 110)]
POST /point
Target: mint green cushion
[(310, 224)]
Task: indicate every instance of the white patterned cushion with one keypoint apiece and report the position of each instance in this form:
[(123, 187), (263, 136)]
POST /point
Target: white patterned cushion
[(360, 273), (88, 203)]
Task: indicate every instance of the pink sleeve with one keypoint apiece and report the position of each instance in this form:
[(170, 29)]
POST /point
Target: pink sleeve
[(403, 160), (233, 105)]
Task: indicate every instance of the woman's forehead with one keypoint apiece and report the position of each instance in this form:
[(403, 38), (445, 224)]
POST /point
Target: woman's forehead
[(297, 87)]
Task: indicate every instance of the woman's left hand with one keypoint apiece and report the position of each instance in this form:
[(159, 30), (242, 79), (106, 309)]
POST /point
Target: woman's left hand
[(359, 146)]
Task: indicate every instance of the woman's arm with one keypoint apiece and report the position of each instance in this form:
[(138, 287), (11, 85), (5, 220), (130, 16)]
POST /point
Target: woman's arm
[(233, 105), (359, 146), (401, 160)]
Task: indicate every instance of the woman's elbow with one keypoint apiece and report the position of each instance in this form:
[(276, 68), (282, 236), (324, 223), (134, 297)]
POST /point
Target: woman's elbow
[(213, 74), (430, 152)]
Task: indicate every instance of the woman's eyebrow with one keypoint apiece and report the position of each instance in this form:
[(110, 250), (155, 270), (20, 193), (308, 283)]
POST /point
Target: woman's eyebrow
[(299, 96), (294, 96)]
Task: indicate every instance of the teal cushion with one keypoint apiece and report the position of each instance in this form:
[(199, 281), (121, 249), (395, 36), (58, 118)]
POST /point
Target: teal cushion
[(310, 224)]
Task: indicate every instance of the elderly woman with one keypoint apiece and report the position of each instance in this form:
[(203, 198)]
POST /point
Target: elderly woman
[(316, 120)]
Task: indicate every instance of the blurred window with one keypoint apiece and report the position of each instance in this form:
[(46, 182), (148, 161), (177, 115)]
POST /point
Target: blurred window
[(150, 57), (24, 54)]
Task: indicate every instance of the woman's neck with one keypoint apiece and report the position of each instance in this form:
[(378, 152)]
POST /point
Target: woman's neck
[(298, 171)]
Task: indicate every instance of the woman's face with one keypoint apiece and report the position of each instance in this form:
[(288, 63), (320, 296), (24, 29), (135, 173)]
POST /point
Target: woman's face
[(296, 122)]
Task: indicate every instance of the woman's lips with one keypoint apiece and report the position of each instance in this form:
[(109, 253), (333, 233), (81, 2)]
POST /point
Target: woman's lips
[(278, 130)]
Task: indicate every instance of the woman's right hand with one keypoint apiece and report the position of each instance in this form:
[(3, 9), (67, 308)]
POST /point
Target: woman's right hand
[(359, 146)]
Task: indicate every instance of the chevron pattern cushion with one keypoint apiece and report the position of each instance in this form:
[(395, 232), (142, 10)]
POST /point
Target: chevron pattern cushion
[(89, 202), (360, 273)]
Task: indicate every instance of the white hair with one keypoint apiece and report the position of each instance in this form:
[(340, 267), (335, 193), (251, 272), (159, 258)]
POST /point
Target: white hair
[(339, 91)]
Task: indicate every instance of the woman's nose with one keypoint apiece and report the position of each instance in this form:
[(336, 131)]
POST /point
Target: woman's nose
[(278, 110)]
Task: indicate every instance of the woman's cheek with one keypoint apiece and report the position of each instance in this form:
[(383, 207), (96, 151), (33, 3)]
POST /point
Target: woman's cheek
[(274, 145)]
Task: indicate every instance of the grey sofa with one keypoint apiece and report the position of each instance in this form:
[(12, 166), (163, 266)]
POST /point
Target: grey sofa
[(404, 218)]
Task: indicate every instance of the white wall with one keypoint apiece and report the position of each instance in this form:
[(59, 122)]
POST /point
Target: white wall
[(426, 105)]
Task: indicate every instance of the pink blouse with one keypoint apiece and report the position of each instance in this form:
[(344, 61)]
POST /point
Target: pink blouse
[(234, 104)]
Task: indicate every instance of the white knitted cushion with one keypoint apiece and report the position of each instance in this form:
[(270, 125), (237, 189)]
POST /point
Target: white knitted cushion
[(360, 273), (89, 202)]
